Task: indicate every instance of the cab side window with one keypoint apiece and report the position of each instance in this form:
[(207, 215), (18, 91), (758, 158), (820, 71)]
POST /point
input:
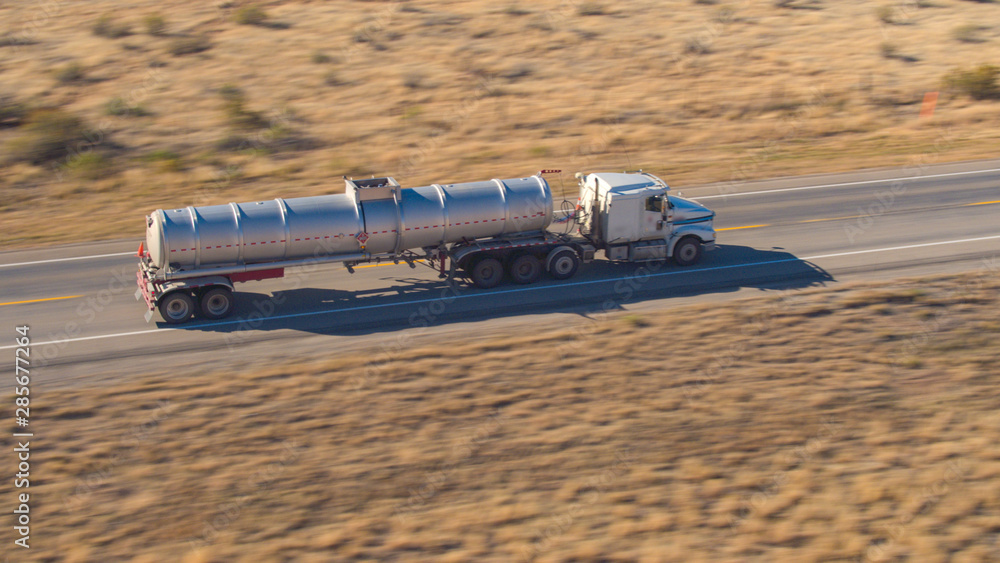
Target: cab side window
[(655, 203)]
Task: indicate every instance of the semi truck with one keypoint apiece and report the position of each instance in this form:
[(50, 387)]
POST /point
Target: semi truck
[(484, 232)]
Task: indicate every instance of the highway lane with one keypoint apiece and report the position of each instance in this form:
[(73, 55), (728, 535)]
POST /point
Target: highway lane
[(816, 231)]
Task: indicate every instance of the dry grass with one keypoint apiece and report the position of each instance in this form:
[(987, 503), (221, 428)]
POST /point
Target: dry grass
[(807, 434), (452, 91)]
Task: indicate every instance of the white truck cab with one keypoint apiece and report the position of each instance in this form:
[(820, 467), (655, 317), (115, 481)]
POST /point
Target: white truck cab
[(634, 218)]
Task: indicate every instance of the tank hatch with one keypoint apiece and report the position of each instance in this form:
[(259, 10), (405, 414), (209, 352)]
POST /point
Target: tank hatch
[(367, 189)]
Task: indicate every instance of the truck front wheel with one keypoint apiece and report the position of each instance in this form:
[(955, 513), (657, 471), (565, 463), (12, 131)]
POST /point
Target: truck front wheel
[(687, 252), (486, 273), (217, 303), (564, 264), (176, 307)]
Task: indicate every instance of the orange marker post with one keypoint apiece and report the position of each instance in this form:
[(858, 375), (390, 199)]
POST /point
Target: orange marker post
[(930, 102)]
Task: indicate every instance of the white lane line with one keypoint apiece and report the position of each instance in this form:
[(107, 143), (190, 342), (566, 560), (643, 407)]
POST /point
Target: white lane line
[(517, 290), (67, 259), (858, 183)]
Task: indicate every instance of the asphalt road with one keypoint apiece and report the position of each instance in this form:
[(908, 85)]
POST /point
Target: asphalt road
[(773, 235)]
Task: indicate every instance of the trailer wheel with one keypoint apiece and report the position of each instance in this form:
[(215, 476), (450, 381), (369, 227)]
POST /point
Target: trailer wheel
[(217, 303), (176, 307), (486, 273), (525, 268), (687, 252), (563, 264)]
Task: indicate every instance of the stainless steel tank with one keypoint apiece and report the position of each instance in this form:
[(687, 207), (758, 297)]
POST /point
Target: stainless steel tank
[(374, 215)]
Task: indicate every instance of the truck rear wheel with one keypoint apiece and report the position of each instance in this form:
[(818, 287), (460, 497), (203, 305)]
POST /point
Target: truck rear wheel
[(217, 303), (486, 273), (525, 268), (176, 307), (563, 264), (687, 252)]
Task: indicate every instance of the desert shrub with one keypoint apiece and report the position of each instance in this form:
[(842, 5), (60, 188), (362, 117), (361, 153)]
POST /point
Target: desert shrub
[(968, 33), (119, 107), (12, 112), (635, 321), (332, 79), (13, 40), (106, 26), (413, 80), (250, 15), (234, 105), (72, 72), (515, 10), (888, 50), (49, 134), (886, 14), (319, 57), (155, 24), (724, 14), (233, 143), (164, 160), (189, 45), (590, 9), (90, 166), (978, 83), (696, 46), (518, 71)]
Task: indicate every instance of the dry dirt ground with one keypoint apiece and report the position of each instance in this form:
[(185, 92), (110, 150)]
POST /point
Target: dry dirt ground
[(198, 108), (850, 424)]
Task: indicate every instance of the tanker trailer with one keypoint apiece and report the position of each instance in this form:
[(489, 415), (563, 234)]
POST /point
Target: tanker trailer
[(193, 256)]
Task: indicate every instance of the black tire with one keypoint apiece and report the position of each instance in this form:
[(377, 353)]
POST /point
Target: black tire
[(687, 252), (564, 264), (486, 273), (525, 268), (176, 307), (217, 303)]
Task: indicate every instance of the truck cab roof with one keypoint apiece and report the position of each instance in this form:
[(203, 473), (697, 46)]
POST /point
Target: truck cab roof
[(628, 183)]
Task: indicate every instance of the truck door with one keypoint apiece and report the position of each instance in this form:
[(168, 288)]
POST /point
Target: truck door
[(656, 215)]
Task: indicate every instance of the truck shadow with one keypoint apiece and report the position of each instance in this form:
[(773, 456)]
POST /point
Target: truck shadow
[(403, 298)]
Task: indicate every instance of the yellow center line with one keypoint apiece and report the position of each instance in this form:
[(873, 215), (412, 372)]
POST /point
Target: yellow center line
[(830, 219), (746, 227), (40, 300), (983, 203)]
